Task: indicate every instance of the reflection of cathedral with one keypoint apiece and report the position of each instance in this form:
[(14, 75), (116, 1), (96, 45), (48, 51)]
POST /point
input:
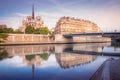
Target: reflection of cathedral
[(35, 59), (67, 60)]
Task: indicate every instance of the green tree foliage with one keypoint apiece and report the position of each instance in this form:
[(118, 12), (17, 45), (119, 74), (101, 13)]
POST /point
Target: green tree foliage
[(29, 30), (1, 31), (3, 37), (3, 54), (44, 56), (44, 30), (37, 31), (18, 32), (9, 30), (6, 30)]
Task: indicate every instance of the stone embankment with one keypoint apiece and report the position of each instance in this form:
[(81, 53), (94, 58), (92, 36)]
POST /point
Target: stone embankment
[(48, 39), (109, 70)]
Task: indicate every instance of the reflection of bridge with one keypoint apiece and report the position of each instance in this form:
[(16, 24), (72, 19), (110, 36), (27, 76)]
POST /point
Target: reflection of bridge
[(92, 52)]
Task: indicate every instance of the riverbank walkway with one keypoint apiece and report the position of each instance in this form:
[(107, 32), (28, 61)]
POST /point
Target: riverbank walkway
[(109, 70)]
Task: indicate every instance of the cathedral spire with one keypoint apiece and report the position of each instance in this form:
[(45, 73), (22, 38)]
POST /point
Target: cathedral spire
[(33, 15)]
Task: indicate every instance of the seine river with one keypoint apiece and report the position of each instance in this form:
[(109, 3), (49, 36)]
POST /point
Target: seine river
[(54, 62)]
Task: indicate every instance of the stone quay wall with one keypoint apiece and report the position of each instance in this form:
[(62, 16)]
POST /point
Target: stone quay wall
[(79, 39), (58, 38), (29, 38)]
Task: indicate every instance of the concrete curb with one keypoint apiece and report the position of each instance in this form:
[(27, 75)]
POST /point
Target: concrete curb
[(103, 72)]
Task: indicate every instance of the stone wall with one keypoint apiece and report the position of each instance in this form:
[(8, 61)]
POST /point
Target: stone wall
[(61, 39), (28, 38), (91, 39), (58, 38)]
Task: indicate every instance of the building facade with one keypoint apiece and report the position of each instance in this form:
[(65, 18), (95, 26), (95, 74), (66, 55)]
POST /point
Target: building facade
[(29, 21), (67, 25), (3, 26), (33, 21)]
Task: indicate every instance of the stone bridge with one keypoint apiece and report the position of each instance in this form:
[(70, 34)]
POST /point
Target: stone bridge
[(89, 37)]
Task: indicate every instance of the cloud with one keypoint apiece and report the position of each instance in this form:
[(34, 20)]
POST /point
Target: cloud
[(20, 14), (15, 61), (50, 19), (52, 60), (13, 22), (107, 20)]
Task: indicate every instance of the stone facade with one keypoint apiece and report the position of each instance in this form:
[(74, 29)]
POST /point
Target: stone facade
[(58, 38), (33, 21), (36, 23), (67, 25), (3, 26), (28, 38)]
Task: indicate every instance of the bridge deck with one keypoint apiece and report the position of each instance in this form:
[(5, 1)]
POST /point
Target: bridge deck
[(92, 34)]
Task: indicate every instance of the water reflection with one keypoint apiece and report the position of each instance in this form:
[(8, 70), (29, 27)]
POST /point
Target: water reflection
[(29, 49), (115, 44), (3, 53), (38, 49), (53, 62), (67, 60), (35, 59)]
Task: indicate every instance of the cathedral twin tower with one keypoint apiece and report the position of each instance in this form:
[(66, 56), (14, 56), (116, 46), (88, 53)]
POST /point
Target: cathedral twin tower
[(33, 21)]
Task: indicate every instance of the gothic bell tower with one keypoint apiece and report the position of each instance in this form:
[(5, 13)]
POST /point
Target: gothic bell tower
[(33, 14)]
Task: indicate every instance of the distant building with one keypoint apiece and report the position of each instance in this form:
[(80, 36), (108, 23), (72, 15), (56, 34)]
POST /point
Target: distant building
[(33, 21), (3, 26), (52, 30), (67, 25)]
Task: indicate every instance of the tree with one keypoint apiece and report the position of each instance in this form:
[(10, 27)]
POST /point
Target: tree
[(9, 30), (3, 37), (18, 31), (3, 54), (44, 30), (37, 31), (29, 29), (6, 30), (1, 31)]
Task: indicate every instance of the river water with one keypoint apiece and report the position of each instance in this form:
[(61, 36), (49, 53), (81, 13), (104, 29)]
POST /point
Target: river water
[(54, 62)]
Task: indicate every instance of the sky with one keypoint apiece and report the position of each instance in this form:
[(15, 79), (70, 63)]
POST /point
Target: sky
[(105, 13)]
